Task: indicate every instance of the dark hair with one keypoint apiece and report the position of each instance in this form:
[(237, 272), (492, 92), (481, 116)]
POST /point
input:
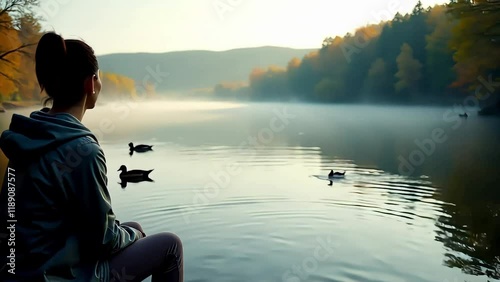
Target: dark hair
[(62, 67)]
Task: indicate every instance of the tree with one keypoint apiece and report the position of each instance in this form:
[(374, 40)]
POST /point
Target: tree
[(378, 80), (418, 9), (409, 70), (439, 61), (12, 15), (29, 31), (475, 40), (8, 73), (398, 18)]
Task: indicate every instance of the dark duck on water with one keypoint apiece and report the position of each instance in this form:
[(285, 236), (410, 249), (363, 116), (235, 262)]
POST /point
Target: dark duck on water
[(140, 148), (134, 175), (335, 174)]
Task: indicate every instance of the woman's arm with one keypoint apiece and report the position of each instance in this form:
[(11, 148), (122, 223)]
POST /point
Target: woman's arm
[(102, 232)]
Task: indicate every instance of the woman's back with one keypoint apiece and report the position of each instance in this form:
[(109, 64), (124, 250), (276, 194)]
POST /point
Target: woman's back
[(48, 157)]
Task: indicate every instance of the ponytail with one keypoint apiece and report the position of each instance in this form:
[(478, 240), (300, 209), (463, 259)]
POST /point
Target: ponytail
[(62, 67)]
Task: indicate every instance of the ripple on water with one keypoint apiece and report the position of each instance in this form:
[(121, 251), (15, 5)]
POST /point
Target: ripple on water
[(263, 217)]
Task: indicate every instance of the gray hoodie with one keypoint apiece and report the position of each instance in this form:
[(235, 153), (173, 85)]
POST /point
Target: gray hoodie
[(65, 228)]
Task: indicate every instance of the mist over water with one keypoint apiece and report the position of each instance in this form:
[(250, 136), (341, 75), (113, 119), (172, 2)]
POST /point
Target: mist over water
[(236, 182)]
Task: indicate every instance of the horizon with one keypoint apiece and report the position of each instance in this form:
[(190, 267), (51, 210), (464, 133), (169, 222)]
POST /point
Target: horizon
[(158, 26), (205, 50)]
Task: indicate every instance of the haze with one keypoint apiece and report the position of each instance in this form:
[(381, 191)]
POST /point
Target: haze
[(166, 25)]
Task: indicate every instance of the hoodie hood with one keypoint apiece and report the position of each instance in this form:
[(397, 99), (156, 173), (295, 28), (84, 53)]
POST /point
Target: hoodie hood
[(29, 137)]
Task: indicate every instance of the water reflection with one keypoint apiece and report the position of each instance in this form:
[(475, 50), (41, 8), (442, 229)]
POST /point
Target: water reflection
[(471, 230), (131, 152), (453, 195), (124, 182)]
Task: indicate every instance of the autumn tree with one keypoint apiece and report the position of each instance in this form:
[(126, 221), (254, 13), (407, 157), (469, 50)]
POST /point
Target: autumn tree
[(117, 86), (29, 31), (439, 63), (17, 28), (409, 70), (476, 40), (12, 13), (9, 40), (270, 84), (413, 58)]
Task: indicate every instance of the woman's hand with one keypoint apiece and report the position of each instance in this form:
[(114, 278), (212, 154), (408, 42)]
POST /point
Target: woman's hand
[(135, 226)]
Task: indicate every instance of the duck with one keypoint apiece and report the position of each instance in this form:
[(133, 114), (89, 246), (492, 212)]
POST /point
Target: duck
[(335, 174), (140, 148), (465, 115), (134, 175)]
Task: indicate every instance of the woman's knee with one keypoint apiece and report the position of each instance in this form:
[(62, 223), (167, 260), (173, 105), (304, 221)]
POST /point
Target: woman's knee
[(169, 237), (169, 242)]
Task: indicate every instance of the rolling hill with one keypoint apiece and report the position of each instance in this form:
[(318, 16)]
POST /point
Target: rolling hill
[(197, 69)]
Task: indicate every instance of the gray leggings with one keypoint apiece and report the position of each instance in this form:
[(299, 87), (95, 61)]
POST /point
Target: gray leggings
[(159, 256)]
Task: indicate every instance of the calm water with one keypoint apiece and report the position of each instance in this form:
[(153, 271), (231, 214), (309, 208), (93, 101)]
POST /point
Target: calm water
[(236, 183)]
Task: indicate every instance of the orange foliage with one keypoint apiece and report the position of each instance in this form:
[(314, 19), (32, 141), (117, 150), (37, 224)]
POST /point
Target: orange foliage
[(276, 69), (294, 63), (117, 86), (17, 70), (8, 72), (233, 85), (369, 32), (476, 53), (256, 74)]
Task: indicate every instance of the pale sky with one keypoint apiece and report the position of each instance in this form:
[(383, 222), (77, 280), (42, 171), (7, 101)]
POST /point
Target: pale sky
[(129, 26)]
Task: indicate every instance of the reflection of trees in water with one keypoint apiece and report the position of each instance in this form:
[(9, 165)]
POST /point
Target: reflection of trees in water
[(465, 167), (474, 249), (471, 230), (467, 170)]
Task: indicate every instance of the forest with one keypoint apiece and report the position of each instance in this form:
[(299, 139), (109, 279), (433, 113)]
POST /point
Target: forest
[(431, 55)]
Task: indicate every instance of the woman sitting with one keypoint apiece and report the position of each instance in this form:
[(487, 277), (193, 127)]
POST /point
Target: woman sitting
[(66, 229)]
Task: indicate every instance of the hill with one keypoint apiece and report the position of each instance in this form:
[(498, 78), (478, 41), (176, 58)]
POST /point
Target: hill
[(197, 69)]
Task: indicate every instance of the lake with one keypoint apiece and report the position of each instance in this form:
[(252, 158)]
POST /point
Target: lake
[(237, 182)]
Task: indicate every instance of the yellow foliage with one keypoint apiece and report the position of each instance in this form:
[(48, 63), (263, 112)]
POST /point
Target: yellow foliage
[(115, 86), (8, 40), (369, 32), (409, 69), (276, 69), (233, 85), (475, 53), (256, 74), (294, 63)]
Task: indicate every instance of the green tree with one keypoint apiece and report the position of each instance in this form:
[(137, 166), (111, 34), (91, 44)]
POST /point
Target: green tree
[(409, 71), (378, 81), (418, 9)]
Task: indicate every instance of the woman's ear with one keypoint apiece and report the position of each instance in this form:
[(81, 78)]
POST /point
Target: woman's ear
[(89, 86)]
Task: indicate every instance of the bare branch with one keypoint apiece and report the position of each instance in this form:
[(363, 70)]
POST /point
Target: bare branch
[(7, 61), (18, 49), (7, 76)]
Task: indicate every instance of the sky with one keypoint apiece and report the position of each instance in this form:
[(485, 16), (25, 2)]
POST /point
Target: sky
[(157, 26)]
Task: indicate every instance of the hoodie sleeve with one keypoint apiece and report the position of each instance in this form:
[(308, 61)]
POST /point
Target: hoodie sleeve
[(102, 232)]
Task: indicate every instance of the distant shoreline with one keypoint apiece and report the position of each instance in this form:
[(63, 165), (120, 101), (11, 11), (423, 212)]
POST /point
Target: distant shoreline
[(491, 110), (9, 105)]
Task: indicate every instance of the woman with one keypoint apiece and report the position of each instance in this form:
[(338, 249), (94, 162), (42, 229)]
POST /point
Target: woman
[(66, 229)]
